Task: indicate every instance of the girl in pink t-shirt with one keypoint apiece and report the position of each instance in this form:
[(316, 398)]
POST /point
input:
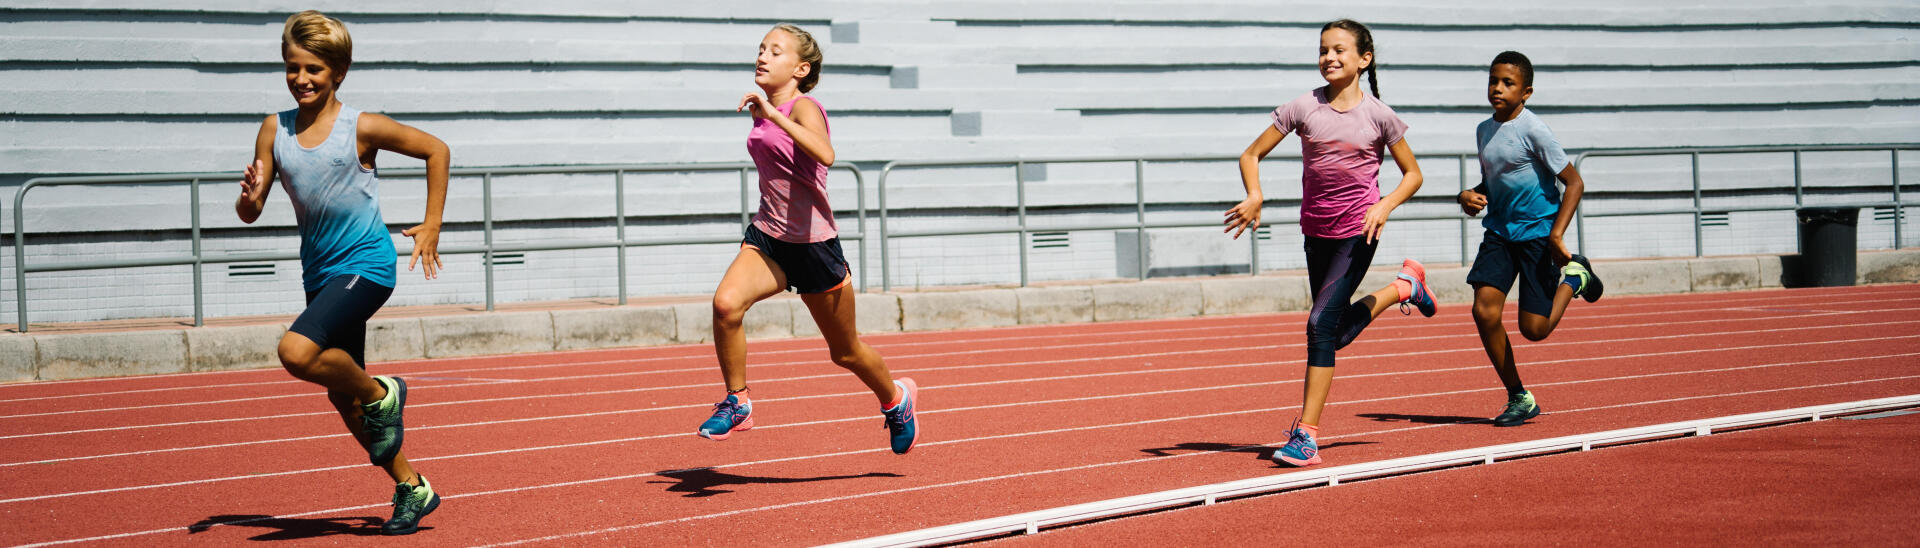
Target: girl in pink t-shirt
[(793, 243), (1343, 131)]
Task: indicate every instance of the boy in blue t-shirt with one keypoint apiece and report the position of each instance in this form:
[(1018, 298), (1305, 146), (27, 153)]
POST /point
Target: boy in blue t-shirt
[(1526, 216)]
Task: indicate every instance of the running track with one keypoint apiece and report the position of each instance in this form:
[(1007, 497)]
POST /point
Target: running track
[(596, 446)]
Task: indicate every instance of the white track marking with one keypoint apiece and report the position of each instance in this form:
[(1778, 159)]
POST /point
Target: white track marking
[(1509, 319), (971, 352), (975, 408), (1069, 360)]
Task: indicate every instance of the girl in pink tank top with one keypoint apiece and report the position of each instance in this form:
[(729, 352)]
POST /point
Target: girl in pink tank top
[(793, 243)]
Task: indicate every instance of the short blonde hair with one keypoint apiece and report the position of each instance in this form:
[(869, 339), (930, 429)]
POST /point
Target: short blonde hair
[(325, 36), (809, 52)]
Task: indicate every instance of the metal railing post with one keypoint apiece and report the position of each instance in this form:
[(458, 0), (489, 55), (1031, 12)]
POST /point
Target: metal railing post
[(1140, 217), (1798, 194), (486, 228), (1899, 210), (620, 228), (1020, 190), (1699, 238), (1579, 214), (860, 191), (746, 217), (199, 312), (20, 255), (1465, 222), (886, 272)]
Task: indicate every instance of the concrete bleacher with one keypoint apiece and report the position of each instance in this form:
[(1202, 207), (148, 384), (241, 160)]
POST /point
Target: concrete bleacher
[(112, 86)]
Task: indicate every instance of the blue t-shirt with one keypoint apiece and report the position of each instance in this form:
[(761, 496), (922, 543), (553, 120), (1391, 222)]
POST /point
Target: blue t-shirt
[(337, 203), (1519, 162)]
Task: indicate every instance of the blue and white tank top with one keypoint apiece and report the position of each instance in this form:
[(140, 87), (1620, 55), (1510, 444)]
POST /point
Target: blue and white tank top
[(337, 203)]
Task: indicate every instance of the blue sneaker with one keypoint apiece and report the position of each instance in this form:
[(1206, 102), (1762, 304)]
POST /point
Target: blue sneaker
[(1300, 450), (734, 414), (902, 426), (1415, 273)]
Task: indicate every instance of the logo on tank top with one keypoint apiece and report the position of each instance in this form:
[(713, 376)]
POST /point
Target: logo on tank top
[(337, 162)]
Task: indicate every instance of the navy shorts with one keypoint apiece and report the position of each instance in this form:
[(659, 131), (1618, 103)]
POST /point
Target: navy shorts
[(817, 267), (336, 315), (1501, 261)]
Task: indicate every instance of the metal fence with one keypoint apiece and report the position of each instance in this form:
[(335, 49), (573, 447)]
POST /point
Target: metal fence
[(1140, 224), (197, 258), (1799, 190), (620, 242)]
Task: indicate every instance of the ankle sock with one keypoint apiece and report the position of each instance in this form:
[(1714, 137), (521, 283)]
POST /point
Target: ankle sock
[(899, 395), (1311, 430), (1404, 287)]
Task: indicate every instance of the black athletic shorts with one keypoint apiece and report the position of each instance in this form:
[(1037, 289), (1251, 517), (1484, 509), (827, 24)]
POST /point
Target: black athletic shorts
[(817, 267), (336, 315), (1501, 261)]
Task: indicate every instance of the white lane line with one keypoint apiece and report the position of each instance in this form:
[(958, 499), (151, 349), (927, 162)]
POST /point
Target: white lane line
[(1773, 302), (1039, 362), (907, 371), (975, 408), (1103, 465), (964, 353), (950, 484)]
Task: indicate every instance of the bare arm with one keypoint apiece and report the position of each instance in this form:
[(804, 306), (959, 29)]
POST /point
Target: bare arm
[(807, 126), (382, 133), (1246, 215), (256, 181), (1410, 180), (1569, 203)]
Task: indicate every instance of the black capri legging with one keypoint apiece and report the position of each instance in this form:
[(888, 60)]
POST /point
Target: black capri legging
[(1335, 268)]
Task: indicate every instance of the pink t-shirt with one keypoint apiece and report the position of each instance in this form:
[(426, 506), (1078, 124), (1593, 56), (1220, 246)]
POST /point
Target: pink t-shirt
[(1342, 153), (793, 186)]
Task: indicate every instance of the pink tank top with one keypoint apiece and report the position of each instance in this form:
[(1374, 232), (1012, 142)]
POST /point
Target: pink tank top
[(793, 186)]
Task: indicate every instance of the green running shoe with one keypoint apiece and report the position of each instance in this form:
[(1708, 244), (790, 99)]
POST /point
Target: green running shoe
[(381, 421), (410, 504), (1519, 409), (1590, 287)]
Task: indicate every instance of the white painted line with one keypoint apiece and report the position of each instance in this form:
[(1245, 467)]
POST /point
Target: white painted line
[(1027, 350), (983, 407), (1510, 319), (998, 478)]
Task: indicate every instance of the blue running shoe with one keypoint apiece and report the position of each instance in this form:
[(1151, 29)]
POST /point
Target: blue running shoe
[(1422, 298), (1300, 450), (902, 426), (734, 414)]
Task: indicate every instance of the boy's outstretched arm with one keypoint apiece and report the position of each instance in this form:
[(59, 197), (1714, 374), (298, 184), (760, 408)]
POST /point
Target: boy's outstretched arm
[(1569, 202), (381, 132), (256, 182)]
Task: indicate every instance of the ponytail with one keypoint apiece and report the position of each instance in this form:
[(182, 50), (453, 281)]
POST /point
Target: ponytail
[(1363, 40)]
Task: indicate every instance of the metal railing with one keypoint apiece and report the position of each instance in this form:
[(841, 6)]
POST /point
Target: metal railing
[(1140, 224), (1699, 211), (198, 258)]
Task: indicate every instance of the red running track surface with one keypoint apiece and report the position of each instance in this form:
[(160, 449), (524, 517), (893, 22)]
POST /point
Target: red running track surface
[(596, 447)]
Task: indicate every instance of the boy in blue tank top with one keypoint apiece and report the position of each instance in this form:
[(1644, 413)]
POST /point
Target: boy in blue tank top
[(323, 153), (1526, 217)]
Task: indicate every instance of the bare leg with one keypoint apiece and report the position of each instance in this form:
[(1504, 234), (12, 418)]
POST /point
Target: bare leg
[(332, 368), (1536, 327), (833, 313), (750, 279), (1488, 303), (1314, 397), (349, 409)]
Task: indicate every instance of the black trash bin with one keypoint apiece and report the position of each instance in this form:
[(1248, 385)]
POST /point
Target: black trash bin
[(1827, 241)]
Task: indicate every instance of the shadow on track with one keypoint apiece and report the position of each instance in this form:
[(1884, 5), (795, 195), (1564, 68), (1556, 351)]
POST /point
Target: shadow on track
[(296, 528), (1421, 419), (701, 482), (1261, 451)]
